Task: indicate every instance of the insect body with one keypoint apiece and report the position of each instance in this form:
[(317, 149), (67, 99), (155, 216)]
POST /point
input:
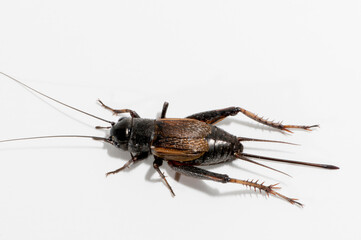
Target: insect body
[(186, 144)]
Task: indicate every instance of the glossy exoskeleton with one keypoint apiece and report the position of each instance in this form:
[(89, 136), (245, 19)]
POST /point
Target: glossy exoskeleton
[(185, 144)]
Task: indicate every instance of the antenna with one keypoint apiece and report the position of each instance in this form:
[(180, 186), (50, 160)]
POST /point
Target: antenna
[(53, 99), (58, 136)]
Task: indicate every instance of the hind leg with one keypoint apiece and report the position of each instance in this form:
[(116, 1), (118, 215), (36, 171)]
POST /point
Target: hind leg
[(214, 116), (223, 178)]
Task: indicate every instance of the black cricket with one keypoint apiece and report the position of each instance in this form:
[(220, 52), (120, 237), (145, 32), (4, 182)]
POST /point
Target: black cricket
[(185, 144)]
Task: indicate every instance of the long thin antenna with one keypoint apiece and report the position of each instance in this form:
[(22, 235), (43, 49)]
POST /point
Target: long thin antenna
[(57, 136), (291, 161), (66, 105)]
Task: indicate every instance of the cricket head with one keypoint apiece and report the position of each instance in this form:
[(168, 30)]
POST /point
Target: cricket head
[(120, 132)]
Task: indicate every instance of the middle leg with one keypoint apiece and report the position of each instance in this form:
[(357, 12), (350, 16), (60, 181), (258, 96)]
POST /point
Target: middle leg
[(156, 164)]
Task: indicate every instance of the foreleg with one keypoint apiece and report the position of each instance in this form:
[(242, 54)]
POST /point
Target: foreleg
[(129, 163), (118, 111)]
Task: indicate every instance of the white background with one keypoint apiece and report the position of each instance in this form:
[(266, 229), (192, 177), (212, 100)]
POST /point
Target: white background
[(297, 61)]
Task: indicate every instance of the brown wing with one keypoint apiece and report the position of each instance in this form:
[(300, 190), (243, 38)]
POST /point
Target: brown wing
[(180, 139)]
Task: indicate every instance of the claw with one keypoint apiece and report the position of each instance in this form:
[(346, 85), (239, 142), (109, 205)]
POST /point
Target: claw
[(285, 129), (294, 201), (108, 173), (273, 186), (313, 126)]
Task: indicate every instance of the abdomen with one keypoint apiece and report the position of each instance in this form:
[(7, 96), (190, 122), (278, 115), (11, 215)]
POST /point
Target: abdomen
[(222, 147)]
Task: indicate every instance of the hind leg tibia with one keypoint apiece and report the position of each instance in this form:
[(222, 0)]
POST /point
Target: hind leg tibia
[(212, 117), (223, 178)]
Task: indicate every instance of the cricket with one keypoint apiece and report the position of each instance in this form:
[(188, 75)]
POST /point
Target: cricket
[(185, 144)]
